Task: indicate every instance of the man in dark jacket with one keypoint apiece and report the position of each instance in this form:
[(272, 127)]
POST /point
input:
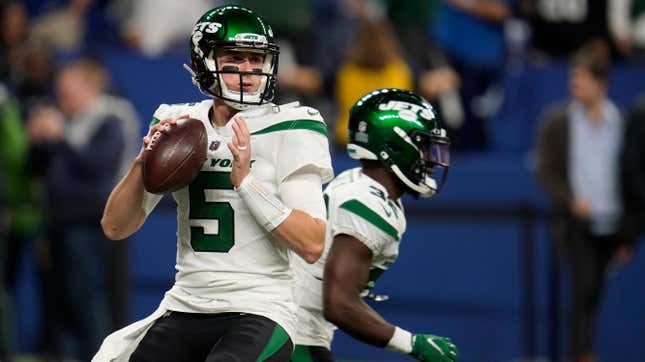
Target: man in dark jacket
[(578, 158), (633, 167), (96, 136)]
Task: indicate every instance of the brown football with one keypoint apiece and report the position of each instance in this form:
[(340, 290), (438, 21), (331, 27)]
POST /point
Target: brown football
[(173, 159)]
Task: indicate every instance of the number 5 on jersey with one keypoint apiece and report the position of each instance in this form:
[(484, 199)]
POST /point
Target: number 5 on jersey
[(212, 226)]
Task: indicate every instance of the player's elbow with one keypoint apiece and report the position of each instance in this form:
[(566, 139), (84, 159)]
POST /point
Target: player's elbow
[(314, 248), (109, 231), (314, 251), (335, 307), (119, 230)]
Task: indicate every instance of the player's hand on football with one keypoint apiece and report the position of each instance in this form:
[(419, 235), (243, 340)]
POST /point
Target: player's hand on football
[(427, 347), (240, 147), (163, 126)]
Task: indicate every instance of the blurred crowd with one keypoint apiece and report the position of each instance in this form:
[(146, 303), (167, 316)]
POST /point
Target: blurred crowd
[(65, 135)]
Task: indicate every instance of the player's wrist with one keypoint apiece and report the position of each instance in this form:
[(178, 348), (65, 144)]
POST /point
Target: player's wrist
[(401, 341), (246, 180), (267, 209)]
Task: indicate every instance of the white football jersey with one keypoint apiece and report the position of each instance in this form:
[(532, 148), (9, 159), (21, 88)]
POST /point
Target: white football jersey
[(226, 261), (358, 206)]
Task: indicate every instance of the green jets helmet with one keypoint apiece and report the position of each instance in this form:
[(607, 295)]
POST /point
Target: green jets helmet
[(403, 132), (232, 28)]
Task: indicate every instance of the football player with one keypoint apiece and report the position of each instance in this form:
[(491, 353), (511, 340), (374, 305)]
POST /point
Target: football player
[(259, 195), (402, 148)]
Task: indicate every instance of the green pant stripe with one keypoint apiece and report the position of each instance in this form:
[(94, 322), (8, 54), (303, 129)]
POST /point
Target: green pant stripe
[(278, 338), (301, 354)]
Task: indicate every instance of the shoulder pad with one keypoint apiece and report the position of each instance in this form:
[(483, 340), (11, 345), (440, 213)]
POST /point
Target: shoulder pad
[(367, 202), (294, 110)]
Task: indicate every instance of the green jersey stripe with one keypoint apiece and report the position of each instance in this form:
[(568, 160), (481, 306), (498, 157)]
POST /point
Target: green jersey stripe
[(154, 121), (366, 213), (301, 354), (326, 199), (309, 124), (278, 338)]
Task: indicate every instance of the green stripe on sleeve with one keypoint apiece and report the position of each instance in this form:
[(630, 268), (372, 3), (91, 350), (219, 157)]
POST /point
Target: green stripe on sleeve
[(154, 121), (278, 338), (301, 354), (366, 213), (309, 124), (326, 199)]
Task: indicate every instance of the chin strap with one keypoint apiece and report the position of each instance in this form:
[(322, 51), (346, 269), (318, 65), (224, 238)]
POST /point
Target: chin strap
[(423, 190)]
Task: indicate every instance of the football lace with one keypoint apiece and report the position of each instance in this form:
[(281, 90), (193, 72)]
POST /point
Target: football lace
[(153, 140)]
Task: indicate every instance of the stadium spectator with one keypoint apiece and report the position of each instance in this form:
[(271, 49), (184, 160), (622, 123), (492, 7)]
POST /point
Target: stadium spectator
[(89, 143), (373, 60), (627, 25), (63, 29), (153, 27), (560, 27), (339, 19), (6, 316), (411, 20), (633, 167), (301, 79), (33, 74), (471, 34), (436, 80), (22, 194), (292, 20), (578, 150), (13, 33), (5, 320), (26, 62)]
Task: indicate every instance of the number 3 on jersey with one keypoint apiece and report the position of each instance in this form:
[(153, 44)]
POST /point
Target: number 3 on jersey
[(217, 231)]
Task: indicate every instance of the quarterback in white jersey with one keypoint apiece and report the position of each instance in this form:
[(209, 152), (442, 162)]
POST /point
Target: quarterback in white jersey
[(402, 148), (258, 195)]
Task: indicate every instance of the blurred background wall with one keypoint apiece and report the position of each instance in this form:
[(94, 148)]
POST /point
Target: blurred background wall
[(477, 262)]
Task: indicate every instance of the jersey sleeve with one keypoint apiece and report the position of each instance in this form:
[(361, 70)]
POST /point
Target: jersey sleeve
[(305, 147), (303, 191), (356, 219), (167, 111), (150, 201)]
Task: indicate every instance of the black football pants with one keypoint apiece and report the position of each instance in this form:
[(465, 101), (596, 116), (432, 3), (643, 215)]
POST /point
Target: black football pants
[(225, 337)]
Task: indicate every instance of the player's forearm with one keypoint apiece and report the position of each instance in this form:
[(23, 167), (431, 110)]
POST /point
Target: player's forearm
[(356, 318), (298, 231), (303, 234), (123, 214)]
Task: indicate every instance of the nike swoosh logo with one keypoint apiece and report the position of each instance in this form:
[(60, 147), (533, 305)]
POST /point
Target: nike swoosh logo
[(388, 213)]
